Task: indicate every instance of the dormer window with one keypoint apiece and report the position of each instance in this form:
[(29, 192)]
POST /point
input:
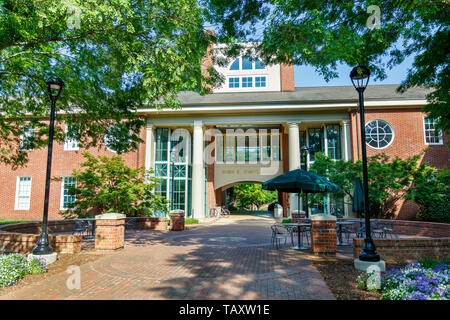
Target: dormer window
[(234, 82), (247, 64), (247, 82)]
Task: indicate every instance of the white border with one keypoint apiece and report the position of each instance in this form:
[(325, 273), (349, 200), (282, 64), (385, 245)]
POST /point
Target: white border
[(441, 138), (393, 133), (61, 200), (17, 193), (66, 142)]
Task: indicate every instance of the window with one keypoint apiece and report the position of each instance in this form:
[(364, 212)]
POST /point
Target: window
[(247, 63), (259, 65), (27, 138), (235, 65), (67, 199), (234, 83), (117, 139), (379, 134), (316, 142), (334, 141), (432, 135), (23, 192), (247, 82), (176, 169), (162, 137), (260, 82), (70, 143)]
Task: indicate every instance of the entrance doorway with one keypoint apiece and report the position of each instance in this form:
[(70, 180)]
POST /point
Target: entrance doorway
[(249, 199)]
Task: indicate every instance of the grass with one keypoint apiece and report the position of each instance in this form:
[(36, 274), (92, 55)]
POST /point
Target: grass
[(7, 221), (431, 263), (190, 221)]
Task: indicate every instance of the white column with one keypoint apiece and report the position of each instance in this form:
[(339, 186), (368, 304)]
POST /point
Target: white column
[(294, 158), (198, 172), (149, 147), (345, 139), (346, 155)]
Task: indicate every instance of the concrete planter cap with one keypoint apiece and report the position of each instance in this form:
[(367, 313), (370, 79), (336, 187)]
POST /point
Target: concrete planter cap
[(110, 216), (322, 217)]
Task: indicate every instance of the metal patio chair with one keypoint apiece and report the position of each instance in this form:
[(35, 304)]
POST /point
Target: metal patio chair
[(131, 223), (81, 227), (278, 234)]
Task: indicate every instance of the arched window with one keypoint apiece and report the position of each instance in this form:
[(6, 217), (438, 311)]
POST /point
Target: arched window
[(117, 139), (235, 65), (247, 64), (379, 134)]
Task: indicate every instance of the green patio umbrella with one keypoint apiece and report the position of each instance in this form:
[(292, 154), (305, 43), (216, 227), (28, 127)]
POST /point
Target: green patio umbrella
[(297, 181), (358, 197)]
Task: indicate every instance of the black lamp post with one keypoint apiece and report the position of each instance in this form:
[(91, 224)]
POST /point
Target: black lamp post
[(304, 150), (360, 78), (54, 87)]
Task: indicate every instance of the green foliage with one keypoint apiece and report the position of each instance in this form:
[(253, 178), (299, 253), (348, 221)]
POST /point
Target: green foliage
[(324, 34), (431, 192), (190, 221), (389, 180), (249, 195), (429, 263), (7, 221), (113, 56), (107, 185), (15, 266)]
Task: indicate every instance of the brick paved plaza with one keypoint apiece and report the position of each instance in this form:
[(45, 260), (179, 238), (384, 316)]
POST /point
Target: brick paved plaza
[(229, 259)]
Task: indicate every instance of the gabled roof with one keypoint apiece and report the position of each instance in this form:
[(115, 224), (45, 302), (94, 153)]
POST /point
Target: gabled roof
[(303, 95)]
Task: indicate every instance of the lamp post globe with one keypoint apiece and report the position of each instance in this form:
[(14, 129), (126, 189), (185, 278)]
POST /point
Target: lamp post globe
[(54, 87), (360, 76)]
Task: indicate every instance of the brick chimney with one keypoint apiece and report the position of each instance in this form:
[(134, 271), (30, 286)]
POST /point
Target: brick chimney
[(287, 77), (207, 60)]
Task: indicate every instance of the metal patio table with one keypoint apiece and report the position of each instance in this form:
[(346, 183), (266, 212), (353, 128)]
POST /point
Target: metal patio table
[(299, 245)]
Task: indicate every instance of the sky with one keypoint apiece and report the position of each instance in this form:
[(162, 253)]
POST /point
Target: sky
[(306, 76)]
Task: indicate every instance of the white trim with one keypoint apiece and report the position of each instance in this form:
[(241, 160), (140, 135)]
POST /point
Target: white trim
[(393, 133), (441, 140), (16, 200), (61, 201), (277, 107), (68, 143)]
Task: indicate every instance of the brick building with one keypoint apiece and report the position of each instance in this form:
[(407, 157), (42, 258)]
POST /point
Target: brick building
[(248, 130)]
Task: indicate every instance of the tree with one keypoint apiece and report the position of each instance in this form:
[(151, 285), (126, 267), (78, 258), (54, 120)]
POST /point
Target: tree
[(431, 192), (108, 185), (324, 33), (390, 180), (114, 57), (249, 195)]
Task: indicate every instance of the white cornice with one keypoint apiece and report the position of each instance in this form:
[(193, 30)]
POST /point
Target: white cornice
[(285, 107)]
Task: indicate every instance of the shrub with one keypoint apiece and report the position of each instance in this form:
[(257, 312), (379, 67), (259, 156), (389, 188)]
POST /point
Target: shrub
[(369, 281), (108, 185), (14, 267), (415, 281)]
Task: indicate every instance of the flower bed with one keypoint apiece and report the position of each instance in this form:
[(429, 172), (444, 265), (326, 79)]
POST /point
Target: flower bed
[(417, 281), (14, 267)]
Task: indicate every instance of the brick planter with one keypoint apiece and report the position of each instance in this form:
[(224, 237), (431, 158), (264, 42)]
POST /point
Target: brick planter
[(176, 220), (109, 231), (323, 234), (297, 217)]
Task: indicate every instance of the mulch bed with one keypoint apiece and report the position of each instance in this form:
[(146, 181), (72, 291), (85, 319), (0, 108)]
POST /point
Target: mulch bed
[(340, 276)]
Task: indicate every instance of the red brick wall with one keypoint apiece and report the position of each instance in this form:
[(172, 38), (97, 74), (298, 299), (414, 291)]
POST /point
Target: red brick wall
[(407, 250), (409, 140), (409, 136), (63, 163), (287, 77)]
